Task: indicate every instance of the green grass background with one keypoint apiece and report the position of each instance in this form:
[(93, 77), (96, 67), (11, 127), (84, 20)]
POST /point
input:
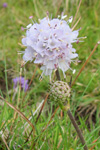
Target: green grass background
[(85, 92)]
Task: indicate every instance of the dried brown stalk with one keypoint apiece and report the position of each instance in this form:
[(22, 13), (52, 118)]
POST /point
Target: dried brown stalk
[(95, 47), (76, 23), (50, 119), (5, 142), (47, 124), (58, 7), (20, 113), (92, 148), (76, 12), (42, 108), (38, 116)]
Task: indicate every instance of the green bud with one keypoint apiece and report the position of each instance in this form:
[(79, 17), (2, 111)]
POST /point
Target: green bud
[(60, 92)]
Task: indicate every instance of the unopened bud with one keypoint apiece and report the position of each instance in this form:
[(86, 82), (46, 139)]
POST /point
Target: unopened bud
[(60, 92)]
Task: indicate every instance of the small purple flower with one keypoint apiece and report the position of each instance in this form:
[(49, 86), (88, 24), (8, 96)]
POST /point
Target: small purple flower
[(5, 5), (21, 81)]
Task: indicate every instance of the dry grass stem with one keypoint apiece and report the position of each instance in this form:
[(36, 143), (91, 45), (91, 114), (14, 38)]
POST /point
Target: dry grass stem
[(20, 113), (42, 107), (95, 47), (5, 142), (38, 116), (59, 143), (76, 24), (92, 148), (36, 111), (47, 124), (58, 7), (50, 119), (76, 12)]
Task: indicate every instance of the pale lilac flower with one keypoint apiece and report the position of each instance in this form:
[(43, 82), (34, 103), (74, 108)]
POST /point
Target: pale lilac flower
[(21, 81), (49, 43), (5, 5)]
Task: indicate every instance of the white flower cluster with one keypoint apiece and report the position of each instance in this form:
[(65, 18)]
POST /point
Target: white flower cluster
[(49, 43)]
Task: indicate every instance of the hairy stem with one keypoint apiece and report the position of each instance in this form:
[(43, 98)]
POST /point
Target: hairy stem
[(66, 108), (77, 129), (58, 75)]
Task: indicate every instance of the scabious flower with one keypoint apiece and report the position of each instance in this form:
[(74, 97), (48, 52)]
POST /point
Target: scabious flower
[(49, 43), (21, 81)]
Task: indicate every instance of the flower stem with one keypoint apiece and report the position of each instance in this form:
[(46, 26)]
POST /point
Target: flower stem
[(77, 129), (67, 108), (58, 75)]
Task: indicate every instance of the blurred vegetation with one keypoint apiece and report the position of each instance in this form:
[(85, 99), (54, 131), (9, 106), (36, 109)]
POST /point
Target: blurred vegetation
[(85, 92)]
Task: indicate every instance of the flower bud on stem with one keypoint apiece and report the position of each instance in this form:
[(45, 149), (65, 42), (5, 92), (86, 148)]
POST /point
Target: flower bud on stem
[(67, 108)]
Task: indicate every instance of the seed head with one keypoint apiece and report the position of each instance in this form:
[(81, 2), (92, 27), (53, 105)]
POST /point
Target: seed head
[(60, 92)]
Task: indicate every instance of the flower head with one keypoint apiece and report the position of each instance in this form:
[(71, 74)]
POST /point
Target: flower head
[(49, 43), (21, 81), (59, 92)]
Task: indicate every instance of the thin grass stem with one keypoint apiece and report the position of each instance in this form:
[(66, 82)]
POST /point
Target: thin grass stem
[(95, 47), (76, 12)]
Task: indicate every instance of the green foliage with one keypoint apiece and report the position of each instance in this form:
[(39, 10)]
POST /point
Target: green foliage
[(60, 133)]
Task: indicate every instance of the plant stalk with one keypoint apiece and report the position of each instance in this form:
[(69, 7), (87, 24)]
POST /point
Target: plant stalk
[(67, 108), (58, 75), (77, 129)]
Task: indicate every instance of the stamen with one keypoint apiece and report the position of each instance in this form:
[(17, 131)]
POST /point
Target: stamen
[(47, 13), (82, 37), (30, 17), (55, 35), (98, 42), (35, 54), (29, 26), (44, 45), (39, 20), (22, 28), (60, 40), (58, 16), (57, 49), (49, 24), (70, 19), (63, 17), (77, 41), (45, 38), (74, 71)]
